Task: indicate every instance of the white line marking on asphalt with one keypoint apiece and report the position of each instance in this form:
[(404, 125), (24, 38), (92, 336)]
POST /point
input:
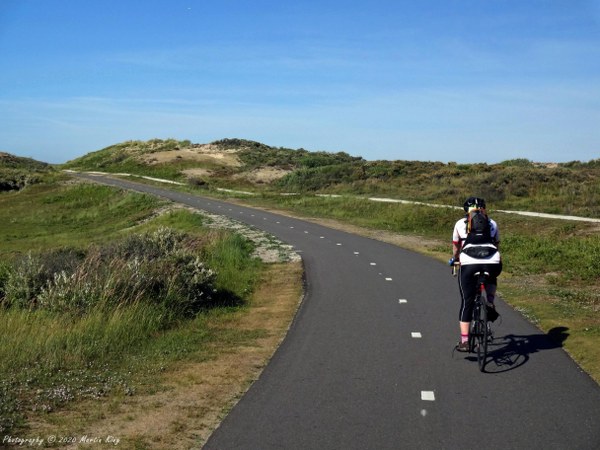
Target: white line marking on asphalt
[(338, 244), (388, 279), (428, 396), (416, 334), (321, 237), (291, 227), (357, 253), (277, 222), (402, 300), (423, 412), (306, 232), (373, 264)]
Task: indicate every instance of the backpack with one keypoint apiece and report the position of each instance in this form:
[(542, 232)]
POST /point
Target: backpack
[(479, 232)]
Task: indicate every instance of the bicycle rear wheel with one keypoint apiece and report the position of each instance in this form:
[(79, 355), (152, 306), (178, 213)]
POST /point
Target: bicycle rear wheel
[(482, 336)]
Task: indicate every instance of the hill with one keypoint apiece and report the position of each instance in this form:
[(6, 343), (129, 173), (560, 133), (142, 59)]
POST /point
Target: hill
[(236, 161), (566, 188), (17, 172)]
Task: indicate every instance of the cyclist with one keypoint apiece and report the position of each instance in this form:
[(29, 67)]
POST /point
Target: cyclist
[(476, 252)]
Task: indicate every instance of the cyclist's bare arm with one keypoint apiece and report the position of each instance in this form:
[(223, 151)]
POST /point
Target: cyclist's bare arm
[(456, 250)]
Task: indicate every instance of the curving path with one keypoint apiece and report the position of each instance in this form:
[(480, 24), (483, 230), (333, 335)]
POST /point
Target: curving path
[(368, 361)]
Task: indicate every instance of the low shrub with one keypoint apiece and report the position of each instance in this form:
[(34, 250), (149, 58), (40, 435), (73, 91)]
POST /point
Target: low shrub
[(154, 267)]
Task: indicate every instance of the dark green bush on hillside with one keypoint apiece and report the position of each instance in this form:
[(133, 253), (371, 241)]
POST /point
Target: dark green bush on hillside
[(17, 172), (314, 179), (254, 154), (519, 162), (15, 179)]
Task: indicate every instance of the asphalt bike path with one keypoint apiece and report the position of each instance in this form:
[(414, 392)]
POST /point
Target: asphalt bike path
[(368, 360)]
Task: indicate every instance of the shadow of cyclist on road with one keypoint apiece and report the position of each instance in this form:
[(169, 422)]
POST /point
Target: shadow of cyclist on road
[(511, 351)]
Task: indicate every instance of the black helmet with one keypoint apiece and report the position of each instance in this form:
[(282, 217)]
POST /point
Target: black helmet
[(473, 202)]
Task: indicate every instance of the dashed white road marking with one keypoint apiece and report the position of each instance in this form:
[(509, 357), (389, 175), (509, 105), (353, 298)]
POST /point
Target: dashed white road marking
[(428, 396), (321, 237), (338, 243), (305, 232), (402, 300), (373, 264), (416, 335), (357, 253), (388, 279)]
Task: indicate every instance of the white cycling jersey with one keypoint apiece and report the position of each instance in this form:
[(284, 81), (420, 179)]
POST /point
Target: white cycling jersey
[(460, 234)]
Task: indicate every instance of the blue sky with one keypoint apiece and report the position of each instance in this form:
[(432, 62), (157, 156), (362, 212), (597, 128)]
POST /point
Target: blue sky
[(451, 80)]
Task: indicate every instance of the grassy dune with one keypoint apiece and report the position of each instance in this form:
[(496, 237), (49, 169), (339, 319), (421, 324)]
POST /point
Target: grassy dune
[(566, 188)]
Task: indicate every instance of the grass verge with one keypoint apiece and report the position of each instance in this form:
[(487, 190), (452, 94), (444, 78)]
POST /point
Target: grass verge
[(65, 370), (178, 405)]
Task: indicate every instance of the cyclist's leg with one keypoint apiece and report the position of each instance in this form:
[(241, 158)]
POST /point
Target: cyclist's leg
[(490, 287), (492, 282), (468, 288)]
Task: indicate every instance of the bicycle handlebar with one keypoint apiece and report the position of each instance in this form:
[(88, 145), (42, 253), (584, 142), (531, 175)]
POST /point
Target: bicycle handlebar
[(455, 264)]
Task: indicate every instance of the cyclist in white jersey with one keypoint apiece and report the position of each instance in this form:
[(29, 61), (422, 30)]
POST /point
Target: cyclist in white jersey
[(473, 258)]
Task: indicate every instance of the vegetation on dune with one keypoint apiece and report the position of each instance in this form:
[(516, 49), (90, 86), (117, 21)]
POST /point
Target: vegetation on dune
[(572, 188), (17, 172), (567, 188), (154, 268), (254, 154), (128, 157)]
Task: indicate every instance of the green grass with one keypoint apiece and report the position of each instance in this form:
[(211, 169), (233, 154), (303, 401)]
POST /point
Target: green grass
[(49, 216), (53, 356)]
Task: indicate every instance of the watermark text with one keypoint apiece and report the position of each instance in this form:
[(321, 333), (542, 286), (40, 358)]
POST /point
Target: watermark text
[(37, 441)]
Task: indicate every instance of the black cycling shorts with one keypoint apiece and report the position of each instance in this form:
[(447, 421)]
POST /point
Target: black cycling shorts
[(467, 283)]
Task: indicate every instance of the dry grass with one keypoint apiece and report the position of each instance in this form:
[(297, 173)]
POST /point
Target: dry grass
[(263, 175)]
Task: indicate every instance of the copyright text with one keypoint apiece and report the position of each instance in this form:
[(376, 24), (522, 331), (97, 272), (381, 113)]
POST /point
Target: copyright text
[(60, 440)]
